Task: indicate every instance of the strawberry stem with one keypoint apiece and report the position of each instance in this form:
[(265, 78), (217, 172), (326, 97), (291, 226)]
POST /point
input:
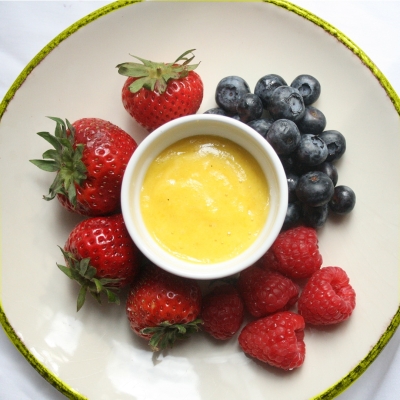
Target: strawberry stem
[(154, 76), (164, 335), (84, 273)]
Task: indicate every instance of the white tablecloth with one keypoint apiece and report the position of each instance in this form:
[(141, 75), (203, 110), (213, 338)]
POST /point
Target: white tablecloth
[(26, 27)]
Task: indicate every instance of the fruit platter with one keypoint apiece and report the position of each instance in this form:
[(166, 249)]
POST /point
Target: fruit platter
[(97, 318)]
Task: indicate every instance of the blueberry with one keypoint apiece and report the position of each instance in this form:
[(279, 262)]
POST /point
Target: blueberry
[(329, 169), (292, 180), (293, 216), (266, 86), (335, 142), (261, 125), (286, 102), (287, 163), (313, 121), (249, 107), (314, 189), (312, 150), (215, 111), (315, 217), (343, 200), (283, 136), (309, 88), (229, 91)]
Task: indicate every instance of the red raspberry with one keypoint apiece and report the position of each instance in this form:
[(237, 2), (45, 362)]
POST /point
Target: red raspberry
[(266, 292), (294, 253), (222, 311), (327, 297), (277, 340)]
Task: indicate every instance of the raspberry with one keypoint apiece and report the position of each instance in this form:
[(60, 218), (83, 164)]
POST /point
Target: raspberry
[(222, 312), (294, 253), (277, 340), (266, 292), (327, 297)]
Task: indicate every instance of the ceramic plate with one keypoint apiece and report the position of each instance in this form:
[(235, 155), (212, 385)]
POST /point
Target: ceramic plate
[(93, 354)]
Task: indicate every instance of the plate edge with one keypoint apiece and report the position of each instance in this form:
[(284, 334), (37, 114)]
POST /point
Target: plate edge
[(361, 367)]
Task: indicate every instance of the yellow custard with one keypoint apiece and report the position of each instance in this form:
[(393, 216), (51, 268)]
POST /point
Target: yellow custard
[(204, 199)]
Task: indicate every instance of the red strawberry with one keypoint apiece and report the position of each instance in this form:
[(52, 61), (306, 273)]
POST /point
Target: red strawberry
[(162, 307), (266, 292), (294, 253), (327, 297), (101, 256), (277, 340), (90, 158), (156, 93), (222, 311)]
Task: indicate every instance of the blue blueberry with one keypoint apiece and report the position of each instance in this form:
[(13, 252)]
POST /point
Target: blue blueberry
[(292, 181), (283, 136), (286, 102), (314, 189), (329, 169), (249, 107), (336, 144), (343, 200), (312, 150), (293, 216), (261, 125), (266, 85), (229, 91), (315, 217), (313, 121), (309, 88), (216, 111)]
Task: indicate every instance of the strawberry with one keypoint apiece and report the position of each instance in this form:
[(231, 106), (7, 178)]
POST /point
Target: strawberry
[(277, 340), (294, 253), (101, 256), (266, 292), (222, 311), (90, 158), (327, 298), (162, 307), (155, 93)]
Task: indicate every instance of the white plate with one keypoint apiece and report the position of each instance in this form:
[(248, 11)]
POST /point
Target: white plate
[(93, 354)]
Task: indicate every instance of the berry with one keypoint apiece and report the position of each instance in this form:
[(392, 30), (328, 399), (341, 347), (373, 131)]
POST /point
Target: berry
[(90, 157), (309, 88), (249, 107), (277, 340), (293, 216), (286, 102), (155, 93), (222, 312), (294, 253), (216, 111), (292, 181), (283, 136), (265, 292), (336, 144), (162, 307), (266, 85), (343, 200), (329, 169), (261, 125), (315, 216), (327, 298), (229, 92), (313, 121), (312, 150), (315, 189), (101, 256)]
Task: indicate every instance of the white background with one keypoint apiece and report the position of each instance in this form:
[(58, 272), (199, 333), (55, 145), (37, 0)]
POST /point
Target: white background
[(27, 26)]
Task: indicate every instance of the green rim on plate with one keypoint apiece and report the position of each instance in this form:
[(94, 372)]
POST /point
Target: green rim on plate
[(352, 376)]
